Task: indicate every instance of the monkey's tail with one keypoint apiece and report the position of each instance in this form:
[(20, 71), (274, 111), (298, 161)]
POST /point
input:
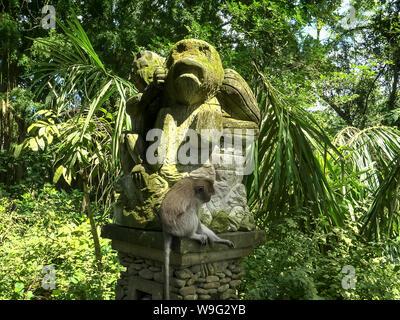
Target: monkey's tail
[(167, 251)]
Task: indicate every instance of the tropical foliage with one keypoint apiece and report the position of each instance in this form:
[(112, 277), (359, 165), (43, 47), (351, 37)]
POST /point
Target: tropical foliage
[(327, 176), (49, 230)]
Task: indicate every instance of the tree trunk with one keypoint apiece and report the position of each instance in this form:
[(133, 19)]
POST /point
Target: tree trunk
[(396, 70), (20, 170), (93, 228)]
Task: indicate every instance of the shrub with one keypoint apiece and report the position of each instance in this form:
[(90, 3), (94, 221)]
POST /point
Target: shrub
[(50, 231), (299, 264), (37, 170)]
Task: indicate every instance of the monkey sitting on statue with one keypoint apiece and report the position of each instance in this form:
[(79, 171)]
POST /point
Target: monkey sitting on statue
[(179, 215)]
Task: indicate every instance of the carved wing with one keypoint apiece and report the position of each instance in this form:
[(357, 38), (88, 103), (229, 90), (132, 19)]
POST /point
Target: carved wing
[(237, 99)]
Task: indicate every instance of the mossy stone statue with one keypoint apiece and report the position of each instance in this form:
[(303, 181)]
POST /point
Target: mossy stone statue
[(187, 91)]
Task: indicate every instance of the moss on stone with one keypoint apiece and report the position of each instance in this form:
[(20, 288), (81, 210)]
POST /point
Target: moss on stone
[(145, 215), (220, 221), (144, 65), (191, 100), (247, 223), (205, 55)]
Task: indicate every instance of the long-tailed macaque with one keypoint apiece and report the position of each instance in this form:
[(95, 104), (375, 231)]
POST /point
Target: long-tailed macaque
[(179, 215)]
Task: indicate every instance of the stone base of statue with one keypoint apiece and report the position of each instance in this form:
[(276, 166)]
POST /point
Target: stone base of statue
[(198, 272)]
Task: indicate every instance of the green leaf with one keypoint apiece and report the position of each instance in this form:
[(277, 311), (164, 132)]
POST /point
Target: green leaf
[(43, 112), (73, 280), (17, 149), (19, 287), (67, 176), (29, 295), (49, 138), (103, 96), (42, 131), (40, 142), (32, 126), (33, 144), (58, 173)]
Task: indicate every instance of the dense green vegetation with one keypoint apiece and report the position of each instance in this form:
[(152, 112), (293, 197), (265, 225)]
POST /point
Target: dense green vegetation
[(326, 185), (49, 230)]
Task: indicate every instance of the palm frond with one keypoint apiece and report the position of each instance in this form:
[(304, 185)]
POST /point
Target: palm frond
[(383, 218), (374, 154), (79, 80), (290, 176), (370, 150)]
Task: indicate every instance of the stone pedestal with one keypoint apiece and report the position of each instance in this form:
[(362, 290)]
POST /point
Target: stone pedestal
[(197, 272)]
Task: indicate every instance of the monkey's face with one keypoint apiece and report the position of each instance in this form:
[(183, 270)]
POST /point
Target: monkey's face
[(204, 191), (195, 72), (144, 65)]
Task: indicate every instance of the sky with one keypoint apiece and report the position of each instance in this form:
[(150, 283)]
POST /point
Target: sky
[(344, 9)]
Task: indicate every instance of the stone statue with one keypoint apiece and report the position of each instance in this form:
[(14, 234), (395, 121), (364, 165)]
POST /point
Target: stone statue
[(190, 118)]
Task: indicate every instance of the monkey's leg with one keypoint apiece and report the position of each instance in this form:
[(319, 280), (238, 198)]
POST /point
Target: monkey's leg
[(167, 251), (213, 237)]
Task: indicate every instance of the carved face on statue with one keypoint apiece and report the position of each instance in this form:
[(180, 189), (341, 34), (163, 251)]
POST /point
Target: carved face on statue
[(195, 72)]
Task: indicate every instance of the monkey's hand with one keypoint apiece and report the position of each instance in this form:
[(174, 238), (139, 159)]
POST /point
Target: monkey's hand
[(202, 238), (229, 243), (160, 74)]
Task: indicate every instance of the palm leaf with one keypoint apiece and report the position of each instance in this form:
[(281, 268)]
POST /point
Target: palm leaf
[(290, 176), (374, 153), (77, 70), (371, 150), (74, 73), (383, 218)]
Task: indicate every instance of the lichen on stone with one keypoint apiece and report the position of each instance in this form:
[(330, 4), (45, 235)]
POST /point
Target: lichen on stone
[(196, 93)]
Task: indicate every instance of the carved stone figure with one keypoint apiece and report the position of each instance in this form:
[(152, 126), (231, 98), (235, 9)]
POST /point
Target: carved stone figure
[(188, 92)]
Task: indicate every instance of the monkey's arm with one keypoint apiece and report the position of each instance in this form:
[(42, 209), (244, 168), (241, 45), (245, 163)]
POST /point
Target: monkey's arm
[(212, 237), (202, 238), (237, 99)]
